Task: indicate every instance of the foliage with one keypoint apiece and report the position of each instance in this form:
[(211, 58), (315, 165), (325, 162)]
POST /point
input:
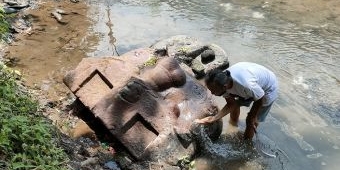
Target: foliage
[(26, 137), (4, 25)]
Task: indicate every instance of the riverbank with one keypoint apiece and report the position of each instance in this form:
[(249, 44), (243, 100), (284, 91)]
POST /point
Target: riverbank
[(40, 53), (47, 49), (27, 139), (30, 141)]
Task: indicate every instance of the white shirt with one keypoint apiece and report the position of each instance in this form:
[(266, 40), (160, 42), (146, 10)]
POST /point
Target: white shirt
[(251, 80)]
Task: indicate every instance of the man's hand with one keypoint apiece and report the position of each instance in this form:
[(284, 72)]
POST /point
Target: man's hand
[(206, 120)]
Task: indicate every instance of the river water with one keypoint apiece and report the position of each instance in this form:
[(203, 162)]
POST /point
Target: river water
[(298, 40)]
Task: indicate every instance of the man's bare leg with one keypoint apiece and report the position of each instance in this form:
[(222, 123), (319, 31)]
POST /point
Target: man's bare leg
[(234, 116), (232, 128)]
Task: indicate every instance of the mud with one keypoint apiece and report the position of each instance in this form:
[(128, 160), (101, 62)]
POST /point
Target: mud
[(46, 50), (50, 48)]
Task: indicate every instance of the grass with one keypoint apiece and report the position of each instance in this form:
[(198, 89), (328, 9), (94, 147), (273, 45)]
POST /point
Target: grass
[(26, 137), (4, 25)]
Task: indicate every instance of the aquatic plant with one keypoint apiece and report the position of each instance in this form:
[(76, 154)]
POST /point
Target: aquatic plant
[(26, 137)]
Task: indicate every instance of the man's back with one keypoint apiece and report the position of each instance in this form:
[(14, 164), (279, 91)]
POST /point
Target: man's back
[(252, 77)]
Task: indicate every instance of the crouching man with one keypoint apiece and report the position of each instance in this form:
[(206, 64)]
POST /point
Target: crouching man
[(240, 85)]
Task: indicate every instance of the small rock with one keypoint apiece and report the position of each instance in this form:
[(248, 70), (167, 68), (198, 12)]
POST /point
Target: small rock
[(56, 15), (112, 165), (60, 11), (9, 10), (90, 161), (11, 2)]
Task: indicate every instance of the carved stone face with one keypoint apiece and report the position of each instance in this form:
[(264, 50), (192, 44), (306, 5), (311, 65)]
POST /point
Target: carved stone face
[(146, 102)]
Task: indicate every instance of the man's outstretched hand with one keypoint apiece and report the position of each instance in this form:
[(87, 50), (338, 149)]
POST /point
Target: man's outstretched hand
[(206, 120)]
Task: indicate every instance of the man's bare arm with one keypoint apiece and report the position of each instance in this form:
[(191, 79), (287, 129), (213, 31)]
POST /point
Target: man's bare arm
[(223, 112)]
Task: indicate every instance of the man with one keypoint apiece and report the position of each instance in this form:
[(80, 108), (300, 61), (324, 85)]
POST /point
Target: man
[(241, 84)]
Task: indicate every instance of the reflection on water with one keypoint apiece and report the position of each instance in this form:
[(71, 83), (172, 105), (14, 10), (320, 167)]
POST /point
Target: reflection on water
[(301, 46)]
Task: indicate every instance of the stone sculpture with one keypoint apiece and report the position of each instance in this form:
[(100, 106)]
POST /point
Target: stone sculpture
[(146, 100)]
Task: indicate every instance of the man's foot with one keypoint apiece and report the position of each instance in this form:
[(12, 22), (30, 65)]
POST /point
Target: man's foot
[(233, 123)]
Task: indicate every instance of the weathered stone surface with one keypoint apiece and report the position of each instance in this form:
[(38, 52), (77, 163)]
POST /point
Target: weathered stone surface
[(188, 50), (146, 101), (207, 56), (198, 68)]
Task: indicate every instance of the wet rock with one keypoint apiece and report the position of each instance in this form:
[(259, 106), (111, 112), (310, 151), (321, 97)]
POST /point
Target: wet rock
[(18, 3), (85, 153), (60, 11), (9, 10), (111, 165), (89, 161), (21, 25), (208, 147), (74, 1), (11, 61), (10, 2), (57, 14), (19, 6), (10, 7)]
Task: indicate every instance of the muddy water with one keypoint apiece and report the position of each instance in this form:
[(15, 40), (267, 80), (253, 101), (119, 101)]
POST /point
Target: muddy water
[(298, 40)]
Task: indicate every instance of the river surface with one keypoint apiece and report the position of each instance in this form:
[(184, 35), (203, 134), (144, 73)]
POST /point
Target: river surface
[(298, 40)]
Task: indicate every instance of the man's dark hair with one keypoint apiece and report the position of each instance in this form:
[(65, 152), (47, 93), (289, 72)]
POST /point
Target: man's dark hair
[(217, 76)]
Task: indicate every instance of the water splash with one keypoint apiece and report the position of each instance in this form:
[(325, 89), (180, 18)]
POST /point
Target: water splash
[(232, 148)]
